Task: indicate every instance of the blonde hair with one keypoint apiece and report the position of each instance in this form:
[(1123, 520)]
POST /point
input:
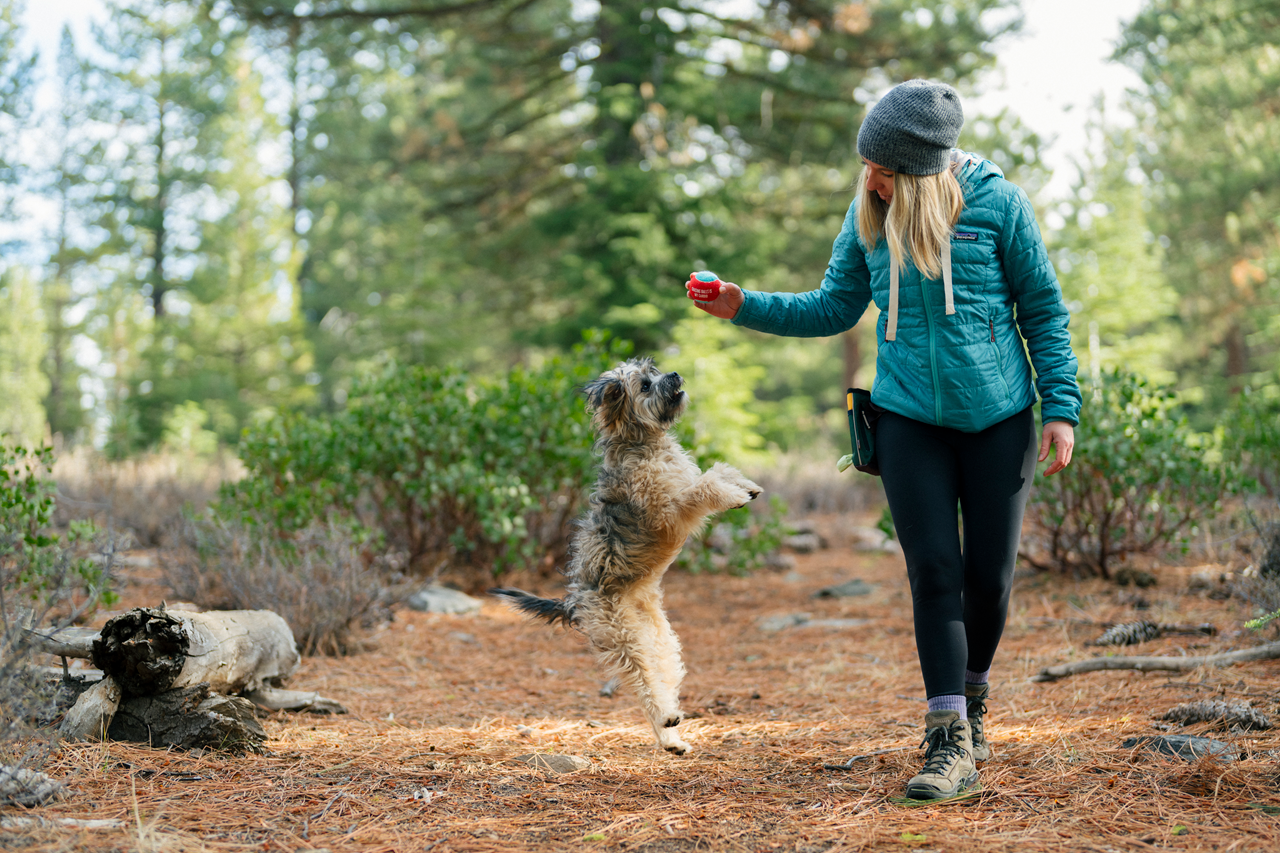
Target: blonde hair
[(918, 221)]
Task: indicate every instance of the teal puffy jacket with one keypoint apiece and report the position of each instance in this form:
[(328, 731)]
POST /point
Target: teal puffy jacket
[(966, 370)]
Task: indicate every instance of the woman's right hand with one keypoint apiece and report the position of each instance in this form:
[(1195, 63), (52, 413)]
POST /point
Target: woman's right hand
[(726, 305)]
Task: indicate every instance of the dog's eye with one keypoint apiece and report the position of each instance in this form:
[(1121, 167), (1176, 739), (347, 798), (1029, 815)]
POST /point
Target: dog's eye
[(645, 386)]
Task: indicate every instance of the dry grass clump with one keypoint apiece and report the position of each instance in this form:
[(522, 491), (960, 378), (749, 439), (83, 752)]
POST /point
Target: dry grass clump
[(144, 495), (319, 579)]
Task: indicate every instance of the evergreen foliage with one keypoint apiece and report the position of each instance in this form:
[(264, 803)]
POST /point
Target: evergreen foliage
[(1140, 481), (1211, 70)]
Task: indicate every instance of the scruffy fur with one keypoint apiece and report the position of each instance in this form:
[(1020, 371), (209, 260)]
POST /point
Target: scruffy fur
[(649, 498)]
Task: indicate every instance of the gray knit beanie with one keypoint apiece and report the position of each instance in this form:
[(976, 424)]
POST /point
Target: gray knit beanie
[(913, 128)]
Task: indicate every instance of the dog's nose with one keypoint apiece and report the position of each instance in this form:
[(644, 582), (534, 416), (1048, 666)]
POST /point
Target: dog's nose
[(677, 376)]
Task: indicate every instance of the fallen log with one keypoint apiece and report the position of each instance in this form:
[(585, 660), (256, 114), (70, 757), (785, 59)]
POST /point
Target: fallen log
[(90, 717), (1158, 663), (189, 718), (277, 699), (170, 677), (150, 650)]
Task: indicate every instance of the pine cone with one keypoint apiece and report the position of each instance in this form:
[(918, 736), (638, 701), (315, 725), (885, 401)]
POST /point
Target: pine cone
[(1234, 715), (1129, 634)]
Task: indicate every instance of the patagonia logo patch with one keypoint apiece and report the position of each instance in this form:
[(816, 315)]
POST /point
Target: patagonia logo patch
[(966, 235)]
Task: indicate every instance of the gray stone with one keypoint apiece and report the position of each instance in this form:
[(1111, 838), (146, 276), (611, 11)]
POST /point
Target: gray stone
[(773, 624), (555, 763), (442, 599), (21, 786), (803, 543), (1184, 746), (848, 589)]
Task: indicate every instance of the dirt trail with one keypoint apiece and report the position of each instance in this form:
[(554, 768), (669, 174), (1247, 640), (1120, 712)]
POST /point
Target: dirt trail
[(442, 705)]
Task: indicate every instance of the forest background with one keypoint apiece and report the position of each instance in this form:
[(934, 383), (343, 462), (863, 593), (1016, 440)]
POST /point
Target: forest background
[(258, 205)]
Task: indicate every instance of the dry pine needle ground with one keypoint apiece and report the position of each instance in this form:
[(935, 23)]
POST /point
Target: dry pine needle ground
[(443, 705)]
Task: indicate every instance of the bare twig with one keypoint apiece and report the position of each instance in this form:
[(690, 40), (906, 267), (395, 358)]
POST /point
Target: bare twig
[(1158, 663)]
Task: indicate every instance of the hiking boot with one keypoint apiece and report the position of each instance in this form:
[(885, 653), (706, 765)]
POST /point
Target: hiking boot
[(948, 759), (975, 707)]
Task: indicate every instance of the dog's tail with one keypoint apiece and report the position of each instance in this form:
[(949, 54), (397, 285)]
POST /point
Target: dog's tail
[(551, 610)]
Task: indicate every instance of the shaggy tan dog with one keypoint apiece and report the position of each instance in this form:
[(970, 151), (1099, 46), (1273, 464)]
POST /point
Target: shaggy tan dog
[(649, 498)]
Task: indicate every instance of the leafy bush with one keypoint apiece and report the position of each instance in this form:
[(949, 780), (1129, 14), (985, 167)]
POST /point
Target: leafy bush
[(467, 477), (1253, 436), (46, 580), (320, 579), (1139, 482)]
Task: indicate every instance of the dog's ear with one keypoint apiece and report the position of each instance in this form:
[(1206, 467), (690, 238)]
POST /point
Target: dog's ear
[(607, 398)]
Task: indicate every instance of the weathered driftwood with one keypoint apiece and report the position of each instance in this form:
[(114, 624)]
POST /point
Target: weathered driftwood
[(1159, 663), (277, 699), (189, 717), (91, 715), (148, 651)]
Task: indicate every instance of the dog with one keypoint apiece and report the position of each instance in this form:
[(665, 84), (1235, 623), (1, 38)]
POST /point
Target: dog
[(649, 497)]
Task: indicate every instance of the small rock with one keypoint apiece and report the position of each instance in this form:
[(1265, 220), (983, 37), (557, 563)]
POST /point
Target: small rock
[(773, 624), (721, 537), (1137, 577), (442, 599), (848, 589), (1184, 746), (779, 562), (803, 543), (20, 786), (464, 637), (868, 538), (802, 525), (555, 763), (837, 623)]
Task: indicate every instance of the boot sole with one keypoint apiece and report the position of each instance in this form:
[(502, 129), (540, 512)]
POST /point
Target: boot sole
[(934, 794)]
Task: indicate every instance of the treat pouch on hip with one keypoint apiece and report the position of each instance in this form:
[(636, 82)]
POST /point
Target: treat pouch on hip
[(863, 415)]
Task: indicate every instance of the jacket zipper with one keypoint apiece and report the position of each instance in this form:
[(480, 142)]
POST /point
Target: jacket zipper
[(933, 350), (999, 359)]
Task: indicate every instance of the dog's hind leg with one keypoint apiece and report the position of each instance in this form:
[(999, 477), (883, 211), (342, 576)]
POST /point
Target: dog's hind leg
[(634, 641)]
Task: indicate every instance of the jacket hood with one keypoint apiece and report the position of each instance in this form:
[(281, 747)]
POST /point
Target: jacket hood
[(974, 171)]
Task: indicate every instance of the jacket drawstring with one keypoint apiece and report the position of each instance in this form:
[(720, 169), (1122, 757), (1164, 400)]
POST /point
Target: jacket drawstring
[(891, 327)]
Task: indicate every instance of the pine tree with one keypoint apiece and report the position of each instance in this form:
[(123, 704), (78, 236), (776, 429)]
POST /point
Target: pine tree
[(1211, 71), (81, 235), (22, 384)]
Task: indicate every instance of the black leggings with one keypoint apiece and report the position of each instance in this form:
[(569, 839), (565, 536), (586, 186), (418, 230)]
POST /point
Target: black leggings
[(959, 593)]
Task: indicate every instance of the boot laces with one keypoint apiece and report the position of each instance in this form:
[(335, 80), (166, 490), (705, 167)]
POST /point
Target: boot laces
[(942, 746)]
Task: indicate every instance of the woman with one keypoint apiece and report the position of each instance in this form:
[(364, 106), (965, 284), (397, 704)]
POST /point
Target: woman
[(951, 254)]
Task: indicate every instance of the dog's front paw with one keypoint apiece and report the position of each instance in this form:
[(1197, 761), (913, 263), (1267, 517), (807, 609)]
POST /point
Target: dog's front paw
[(672, 721)]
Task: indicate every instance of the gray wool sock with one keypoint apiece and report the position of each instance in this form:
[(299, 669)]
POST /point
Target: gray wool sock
[(949, 702)]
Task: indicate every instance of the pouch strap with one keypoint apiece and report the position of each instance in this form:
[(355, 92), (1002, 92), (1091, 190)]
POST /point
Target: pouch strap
[(891, 326)]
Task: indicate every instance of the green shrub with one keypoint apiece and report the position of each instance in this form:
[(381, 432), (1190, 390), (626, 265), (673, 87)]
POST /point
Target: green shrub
[(47, 580), (1253, 436), (467, 475), (1139, 482)]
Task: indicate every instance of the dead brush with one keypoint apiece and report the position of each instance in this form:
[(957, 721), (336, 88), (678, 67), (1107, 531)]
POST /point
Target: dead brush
[(320, 579), (144, 495)]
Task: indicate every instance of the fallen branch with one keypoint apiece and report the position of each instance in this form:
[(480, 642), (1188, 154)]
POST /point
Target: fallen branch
[(1158, 663)]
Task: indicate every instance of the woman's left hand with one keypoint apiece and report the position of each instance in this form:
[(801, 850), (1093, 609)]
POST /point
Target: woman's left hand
[(1063, 437)]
